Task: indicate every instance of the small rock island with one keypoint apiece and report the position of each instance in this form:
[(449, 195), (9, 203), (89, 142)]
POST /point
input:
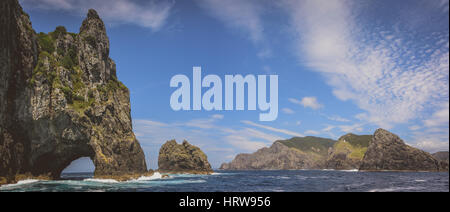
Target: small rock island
[(183, 158)]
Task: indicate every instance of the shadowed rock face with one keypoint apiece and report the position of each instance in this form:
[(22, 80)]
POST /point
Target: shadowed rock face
[(277, 157), (379, 152), (180, 158), (387, 151), (60, 100)]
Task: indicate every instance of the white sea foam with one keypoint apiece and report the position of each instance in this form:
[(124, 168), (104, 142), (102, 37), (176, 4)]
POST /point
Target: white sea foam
[(155, 176), (394, 189), (101, 180), (20, 183), (350, 170)]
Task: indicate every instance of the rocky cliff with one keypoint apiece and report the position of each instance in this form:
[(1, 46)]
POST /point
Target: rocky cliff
[(387, 152), (348, 152), (295, 153), (60, 100), (183, 158), (381, 151), (277, 157)]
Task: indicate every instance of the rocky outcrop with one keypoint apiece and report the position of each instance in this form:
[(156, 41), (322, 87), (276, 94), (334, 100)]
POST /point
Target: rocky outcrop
[(278, 157), (60, 100), (387, 152), (183, 158), (379, 152), (348, 152)]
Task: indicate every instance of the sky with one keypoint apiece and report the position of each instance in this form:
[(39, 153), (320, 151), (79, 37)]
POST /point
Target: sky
[(343, 66)]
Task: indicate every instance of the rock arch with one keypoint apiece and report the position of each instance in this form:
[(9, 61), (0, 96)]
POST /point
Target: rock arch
[(52, 112)]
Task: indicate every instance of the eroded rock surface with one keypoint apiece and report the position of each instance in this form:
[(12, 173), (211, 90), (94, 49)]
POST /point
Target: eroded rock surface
[(277, 157), (183, 158), (382, 151), (60, 100), (387, 152)]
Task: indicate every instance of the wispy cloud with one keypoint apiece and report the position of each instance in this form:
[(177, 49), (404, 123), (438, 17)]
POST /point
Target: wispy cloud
[(287, 132), (217, 141), (150, 14), (392, 77), (354, 128), (287, 110), (431, 142), (439, 118), (248, 139), (336, 118), (414, 127), (328, 128), (243, 15), (310, 102), (312, 132)]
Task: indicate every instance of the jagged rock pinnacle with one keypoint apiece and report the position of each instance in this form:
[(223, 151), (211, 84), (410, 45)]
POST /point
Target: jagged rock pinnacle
[(93, 14), (93, 24)]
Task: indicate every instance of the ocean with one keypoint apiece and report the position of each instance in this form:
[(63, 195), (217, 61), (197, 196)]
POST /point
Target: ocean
[(248, 181)]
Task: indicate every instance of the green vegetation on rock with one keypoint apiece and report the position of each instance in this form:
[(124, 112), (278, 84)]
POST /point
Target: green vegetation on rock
[(49, 63), (60, 30), (310, 144), (352, 151), (357, 140), (46, 42), (42, 70)]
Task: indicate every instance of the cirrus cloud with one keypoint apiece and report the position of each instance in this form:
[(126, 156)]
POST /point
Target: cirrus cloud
[(310, 102), (150, 14), (386, 73)]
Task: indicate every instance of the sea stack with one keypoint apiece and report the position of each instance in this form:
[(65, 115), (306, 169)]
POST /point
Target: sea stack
[(60, 100), (183, 158), (387, 152)]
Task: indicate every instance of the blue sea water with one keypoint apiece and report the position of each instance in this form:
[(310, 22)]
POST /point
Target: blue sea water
[(249, 181)]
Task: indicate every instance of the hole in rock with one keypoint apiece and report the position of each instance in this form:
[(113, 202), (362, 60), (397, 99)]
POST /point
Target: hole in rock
[(80, 168)]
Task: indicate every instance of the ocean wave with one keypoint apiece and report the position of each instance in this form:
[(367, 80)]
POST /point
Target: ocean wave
[(216, 173), (337, 170), (101, 180), (155, 176), (20, 183), (350, 170), (395, 189)]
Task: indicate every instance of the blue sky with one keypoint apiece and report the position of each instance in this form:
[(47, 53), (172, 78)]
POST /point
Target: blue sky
[(343, 66)]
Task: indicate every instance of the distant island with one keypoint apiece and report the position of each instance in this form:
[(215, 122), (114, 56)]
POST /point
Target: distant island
[(383, 151)]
